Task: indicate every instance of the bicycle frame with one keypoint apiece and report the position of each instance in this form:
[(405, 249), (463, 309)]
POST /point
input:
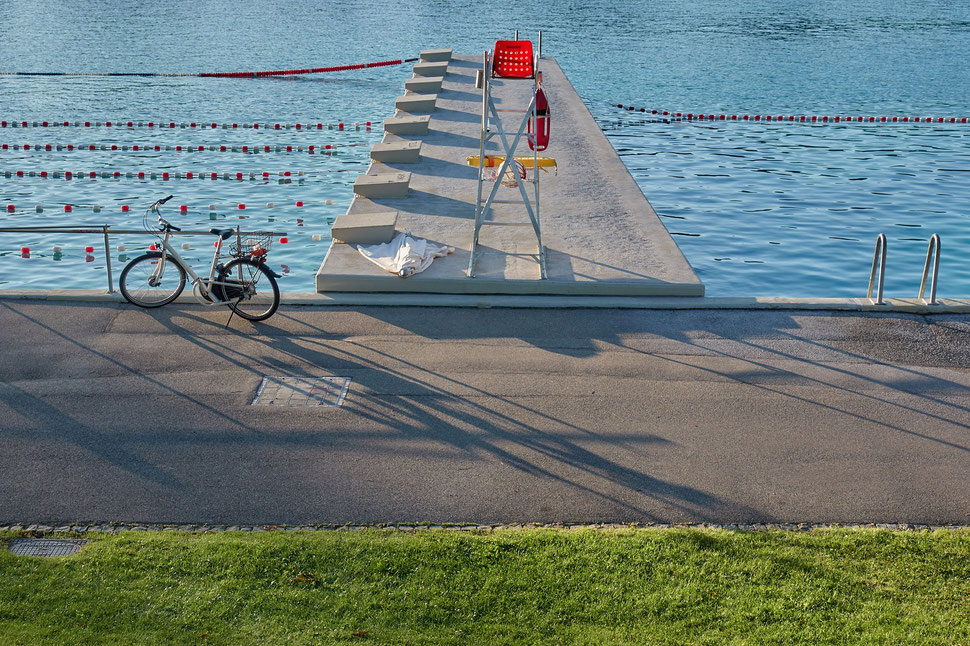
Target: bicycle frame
[(201, 287)]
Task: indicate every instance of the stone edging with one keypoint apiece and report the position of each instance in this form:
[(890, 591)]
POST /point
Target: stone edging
[(113, 528)]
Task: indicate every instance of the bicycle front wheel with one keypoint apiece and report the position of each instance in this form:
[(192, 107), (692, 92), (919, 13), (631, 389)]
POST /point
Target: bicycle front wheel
[(147, 282), (251, 290)]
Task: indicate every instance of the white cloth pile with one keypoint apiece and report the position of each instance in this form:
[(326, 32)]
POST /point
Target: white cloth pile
[(405, 255)]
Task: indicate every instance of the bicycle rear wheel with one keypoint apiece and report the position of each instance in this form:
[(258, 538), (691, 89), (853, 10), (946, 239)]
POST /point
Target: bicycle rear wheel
[(141, 284), (252, 291)]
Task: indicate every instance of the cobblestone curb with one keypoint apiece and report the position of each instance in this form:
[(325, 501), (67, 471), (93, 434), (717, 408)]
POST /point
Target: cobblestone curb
[(40, 529)]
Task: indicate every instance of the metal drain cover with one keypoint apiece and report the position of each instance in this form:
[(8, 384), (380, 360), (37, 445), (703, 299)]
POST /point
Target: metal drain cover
[(302, 391), (45, 546)]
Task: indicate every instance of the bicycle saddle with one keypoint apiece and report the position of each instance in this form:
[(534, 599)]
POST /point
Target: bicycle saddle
[(225, 234)]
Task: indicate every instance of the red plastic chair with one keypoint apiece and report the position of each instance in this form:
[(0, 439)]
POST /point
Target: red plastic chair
[(513, 59)]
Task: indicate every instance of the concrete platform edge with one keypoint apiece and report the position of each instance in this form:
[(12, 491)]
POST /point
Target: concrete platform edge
[(906, 305)]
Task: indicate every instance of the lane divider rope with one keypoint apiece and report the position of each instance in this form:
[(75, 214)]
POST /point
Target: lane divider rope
[(170, 175), (235, 75), (70, 207), (324, 148), (171, 125), (700, 116)]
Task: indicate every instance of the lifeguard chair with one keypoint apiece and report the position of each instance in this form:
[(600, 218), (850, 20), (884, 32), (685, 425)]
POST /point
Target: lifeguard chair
[(511, 60)]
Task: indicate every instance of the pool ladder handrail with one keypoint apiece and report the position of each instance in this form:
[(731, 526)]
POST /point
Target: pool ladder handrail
[(933, 252), (936, 246), (878, 258)]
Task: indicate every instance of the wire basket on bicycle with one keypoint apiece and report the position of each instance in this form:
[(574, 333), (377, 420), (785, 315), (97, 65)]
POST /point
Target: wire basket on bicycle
[(254, 245)]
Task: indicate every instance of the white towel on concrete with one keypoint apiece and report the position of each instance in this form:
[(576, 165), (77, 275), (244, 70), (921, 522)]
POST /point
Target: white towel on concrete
[(405, 255)]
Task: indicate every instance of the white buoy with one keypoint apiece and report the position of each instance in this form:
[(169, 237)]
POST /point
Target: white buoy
[(55, 250), (186, 245), (122, 247), (270, 205), (329, 202), (39, 208), (316, 237)]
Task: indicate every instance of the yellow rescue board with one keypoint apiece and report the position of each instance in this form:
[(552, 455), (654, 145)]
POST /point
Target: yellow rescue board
[(497, 160)]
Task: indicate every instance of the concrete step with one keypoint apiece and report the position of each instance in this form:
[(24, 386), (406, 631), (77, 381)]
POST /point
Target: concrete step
[(382, 185), (424, 84), (431, 69), (400, 152), (365, 228), (416, 103), (407, 124), (435, 55)]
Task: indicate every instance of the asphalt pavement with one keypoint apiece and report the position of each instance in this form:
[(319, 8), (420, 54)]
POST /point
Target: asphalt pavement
[(111, 413)]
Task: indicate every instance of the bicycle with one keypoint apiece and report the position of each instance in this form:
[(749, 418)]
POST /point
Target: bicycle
[(245, 284)]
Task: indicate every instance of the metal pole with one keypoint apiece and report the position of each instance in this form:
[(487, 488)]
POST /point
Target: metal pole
[(933, 246), (879, 256), (107, 261)]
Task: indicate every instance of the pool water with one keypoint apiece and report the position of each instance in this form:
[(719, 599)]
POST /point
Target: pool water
[(758, 209)]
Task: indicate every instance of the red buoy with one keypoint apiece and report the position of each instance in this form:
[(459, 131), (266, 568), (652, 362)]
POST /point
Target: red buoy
[(92, 174), (214, 175), (284, 240), (245, 149), (141, 174), (188, 175), (183, 208), (239, 175), (265, 174), (89, 250), (289, 149), (222, 149), (242, 206), (67, 208), (164, 175), (201, 148), (299, 203), (124, 208), (11, 208), (25, 252)]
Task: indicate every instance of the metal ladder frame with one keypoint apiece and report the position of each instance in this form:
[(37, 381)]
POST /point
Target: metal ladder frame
[(490, 120)]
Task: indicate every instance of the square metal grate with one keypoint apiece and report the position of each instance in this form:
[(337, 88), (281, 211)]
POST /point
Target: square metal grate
[(45, 546), (302, 391)]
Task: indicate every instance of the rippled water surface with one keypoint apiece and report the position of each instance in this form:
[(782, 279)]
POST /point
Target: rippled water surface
[(765, 209)]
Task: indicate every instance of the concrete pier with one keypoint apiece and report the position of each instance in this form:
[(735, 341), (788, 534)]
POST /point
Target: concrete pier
[(601, 235)]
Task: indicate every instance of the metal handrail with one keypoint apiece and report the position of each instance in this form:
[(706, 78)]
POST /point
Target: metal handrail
[(106, 229), (934, 245), (878, 257)]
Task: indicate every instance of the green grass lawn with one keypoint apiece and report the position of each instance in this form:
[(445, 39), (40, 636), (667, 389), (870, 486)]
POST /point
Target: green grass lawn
[(637, 586)]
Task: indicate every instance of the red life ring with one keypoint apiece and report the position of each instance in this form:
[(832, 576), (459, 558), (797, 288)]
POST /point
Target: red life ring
[(539, 131)]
